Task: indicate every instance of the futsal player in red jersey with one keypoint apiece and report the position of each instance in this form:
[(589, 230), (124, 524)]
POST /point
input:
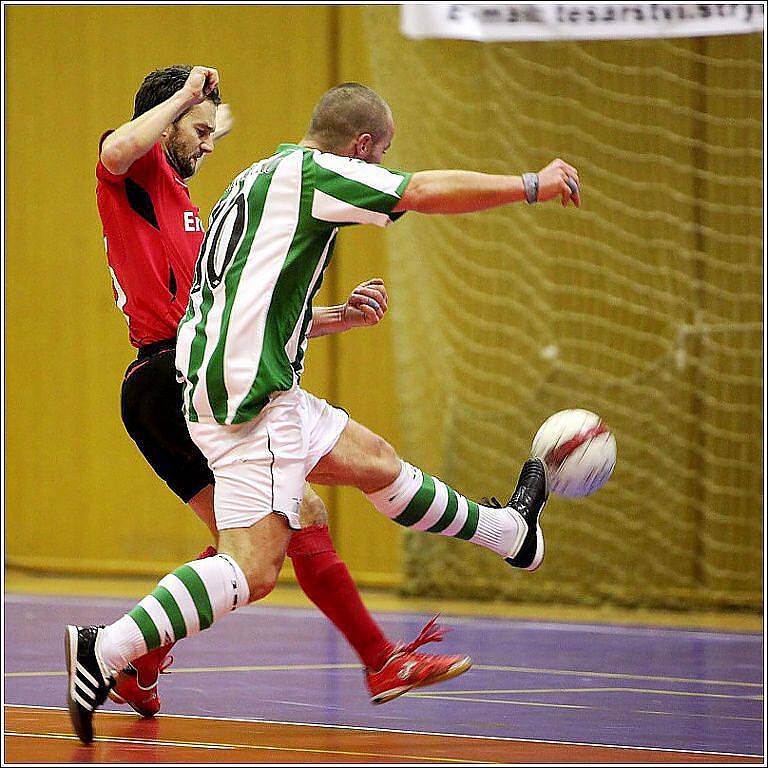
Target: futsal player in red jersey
[(152, 234)]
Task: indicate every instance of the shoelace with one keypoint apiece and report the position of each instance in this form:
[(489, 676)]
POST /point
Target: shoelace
[(520, 494), (431, 633), (519, 498)]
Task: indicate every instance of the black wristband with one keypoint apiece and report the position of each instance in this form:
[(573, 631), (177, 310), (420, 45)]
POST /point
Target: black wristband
[(531, 187)]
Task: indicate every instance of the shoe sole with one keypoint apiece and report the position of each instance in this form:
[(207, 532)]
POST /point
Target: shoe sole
[(120, 700), (459, 668), (453, 671), (539, 557), (142, 713), (83, 728)]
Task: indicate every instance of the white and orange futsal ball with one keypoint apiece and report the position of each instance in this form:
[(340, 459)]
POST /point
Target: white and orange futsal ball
[(579, 451)]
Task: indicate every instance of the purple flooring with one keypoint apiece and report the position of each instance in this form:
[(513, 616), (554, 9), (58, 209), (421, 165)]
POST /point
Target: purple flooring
[(576, 683)]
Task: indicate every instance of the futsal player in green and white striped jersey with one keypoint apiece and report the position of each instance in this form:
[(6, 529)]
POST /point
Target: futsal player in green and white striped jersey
[(272, 236), (240, 353)]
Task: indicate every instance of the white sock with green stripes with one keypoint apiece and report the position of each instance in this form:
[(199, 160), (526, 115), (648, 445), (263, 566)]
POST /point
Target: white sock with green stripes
[(421, 502), (184, 603)]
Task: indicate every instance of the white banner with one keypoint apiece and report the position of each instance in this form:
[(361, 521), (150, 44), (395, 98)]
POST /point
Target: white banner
[(572, 21)]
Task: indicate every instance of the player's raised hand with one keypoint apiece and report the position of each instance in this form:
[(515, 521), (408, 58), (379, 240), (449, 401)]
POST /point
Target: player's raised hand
[(367, 304), (200, 83), (559, 179)]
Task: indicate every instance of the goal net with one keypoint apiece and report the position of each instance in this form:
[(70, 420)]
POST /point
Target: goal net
[(645, 306)]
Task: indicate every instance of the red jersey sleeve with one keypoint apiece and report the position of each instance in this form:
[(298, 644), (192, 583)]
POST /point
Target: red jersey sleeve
[(141, 171)]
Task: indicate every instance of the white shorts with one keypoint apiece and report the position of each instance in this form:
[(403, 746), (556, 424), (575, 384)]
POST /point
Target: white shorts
[(260, 466)]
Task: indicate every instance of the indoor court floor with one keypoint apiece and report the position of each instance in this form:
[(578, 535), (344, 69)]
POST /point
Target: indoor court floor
[(278, 685)]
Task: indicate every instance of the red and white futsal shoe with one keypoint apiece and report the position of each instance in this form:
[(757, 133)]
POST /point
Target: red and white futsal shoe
[(136, 685), (406, 669)]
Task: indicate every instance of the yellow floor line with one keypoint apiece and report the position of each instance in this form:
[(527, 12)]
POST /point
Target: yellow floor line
[(118, 739), (607, 689), (554, 705), (382, 729), (616, 675), (486, 667), (182, 670), (255, 747)]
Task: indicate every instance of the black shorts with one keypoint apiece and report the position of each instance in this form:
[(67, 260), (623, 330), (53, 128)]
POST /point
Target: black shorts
[(150, 402)]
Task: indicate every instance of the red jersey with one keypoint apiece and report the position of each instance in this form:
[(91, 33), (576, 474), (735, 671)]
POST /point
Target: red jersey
[(152, 233)]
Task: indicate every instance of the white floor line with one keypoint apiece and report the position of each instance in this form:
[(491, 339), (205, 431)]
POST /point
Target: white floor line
[(121, 740), (413, 733)]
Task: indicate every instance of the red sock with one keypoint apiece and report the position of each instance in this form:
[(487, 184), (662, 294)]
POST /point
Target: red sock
[(327, 583)]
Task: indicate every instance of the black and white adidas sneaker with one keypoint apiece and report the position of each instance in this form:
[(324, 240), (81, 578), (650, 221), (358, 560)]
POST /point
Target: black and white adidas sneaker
[(89, 680), (528, 500)]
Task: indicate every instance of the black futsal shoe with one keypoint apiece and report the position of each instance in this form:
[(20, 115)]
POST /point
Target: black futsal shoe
[(88, 677), (528, 500)]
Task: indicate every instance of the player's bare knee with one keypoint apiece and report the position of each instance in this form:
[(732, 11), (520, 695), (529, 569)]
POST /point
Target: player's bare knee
[(388, 462), (312, 511), (383, 468), (261, 581)]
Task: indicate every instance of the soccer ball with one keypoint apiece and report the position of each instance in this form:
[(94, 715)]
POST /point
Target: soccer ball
[(579, 451)]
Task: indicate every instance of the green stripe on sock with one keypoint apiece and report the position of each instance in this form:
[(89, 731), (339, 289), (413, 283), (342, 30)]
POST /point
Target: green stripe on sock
[(470, 526), (171, 607), (448, 515), (199, 594), (147, 627), (419, 504)]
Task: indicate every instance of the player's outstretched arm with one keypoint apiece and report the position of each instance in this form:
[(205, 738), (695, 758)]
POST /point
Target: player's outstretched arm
[(366, 305), (132, 140), (468, 191)]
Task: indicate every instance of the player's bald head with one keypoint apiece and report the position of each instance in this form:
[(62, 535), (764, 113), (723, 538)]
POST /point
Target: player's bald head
[(345, 112)]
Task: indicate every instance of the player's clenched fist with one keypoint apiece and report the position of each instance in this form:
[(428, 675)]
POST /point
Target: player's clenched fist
[(200, 83), (367, 304), (559, 179)]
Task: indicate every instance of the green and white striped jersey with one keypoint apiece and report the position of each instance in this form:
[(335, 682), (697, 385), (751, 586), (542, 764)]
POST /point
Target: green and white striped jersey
[(270, 237)]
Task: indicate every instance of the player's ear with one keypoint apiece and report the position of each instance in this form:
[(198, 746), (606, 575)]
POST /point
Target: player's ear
[(363, 146)]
